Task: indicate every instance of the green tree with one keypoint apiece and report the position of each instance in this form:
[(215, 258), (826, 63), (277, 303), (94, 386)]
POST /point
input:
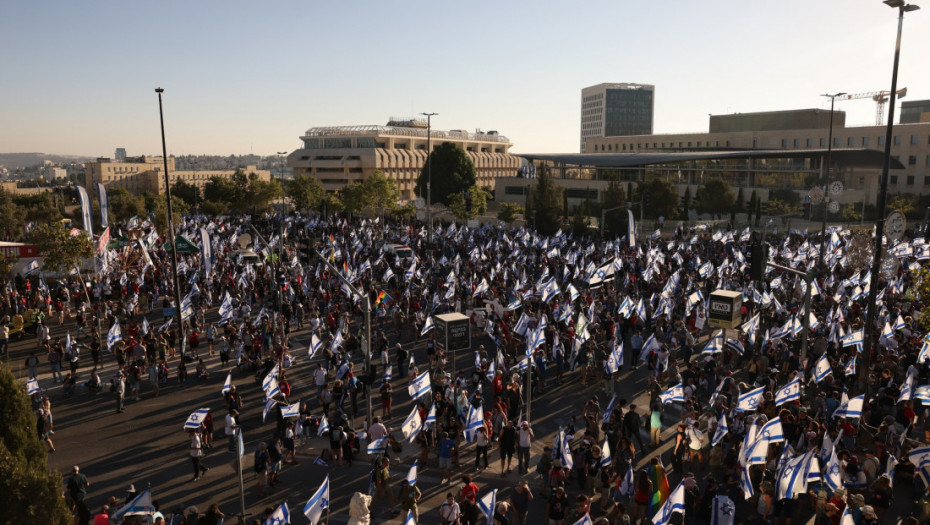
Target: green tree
[(214, 209), (187, 192), (452, 172), (509, 211), (62, 251), (12, 218), (332, 203), (614, 199), (228, 190), (124, 205), (779, 208), (479, 203), (663, 199), (715, 197), (354, 197), (305, 192), (786, 195), (850, 213), (581, 220), (40, 208), (157, 205), (740, 205), (261, 193), (381, 192), (758, 211), (404, 212), (547, 205), (901, 203), (686, 203), (6, 266), (29, 491)]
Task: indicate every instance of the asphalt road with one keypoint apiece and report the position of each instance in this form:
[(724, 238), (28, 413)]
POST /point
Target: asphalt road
[(146, 445)]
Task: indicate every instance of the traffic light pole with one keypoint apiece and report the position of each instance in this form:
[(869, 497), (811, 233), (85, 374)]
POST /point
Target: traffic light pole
[(806, 321)]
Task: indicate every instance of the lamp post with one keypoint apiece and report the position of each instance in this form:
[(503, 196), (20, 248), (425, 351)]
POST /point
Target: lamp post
[(902, 8), (171, 238), (429, 175), (823, 226)]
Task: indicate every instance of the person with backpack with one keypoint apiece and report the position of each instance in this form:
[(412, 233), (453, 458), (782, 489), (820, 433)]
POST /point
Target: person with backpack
[(408, 496), (382, 479)]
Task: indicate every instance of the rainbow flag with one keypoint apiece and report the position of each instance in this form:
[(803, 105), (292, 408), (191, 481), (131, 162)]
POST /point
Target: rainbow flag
[(660, 486), (383, 297), (345, 268)]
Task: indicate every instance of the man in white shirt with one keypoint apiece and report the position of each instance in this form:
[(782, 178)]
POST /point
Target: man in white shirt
[(197, 453), (523, 452), (231, 426), (319, 379)]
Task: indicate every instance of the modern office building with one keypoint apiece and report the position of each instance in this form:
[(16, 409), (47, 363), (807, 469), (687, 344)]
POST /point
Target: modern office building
[(339, 155), (768, 131), (614, 110), (144, 174), (914, 111)]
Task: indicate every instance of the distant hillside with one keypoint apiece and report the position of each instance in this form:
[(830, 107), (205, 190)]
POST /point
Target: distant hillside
[(25, 160)]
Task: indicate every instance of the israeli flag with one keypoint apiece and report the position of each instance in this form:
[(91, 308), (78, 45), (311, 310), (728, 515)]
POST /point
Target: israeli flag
[(315, 346), (85, 210), (907, 389), (550, 291), (610, 408), (899, 323), (676, 393), (317, 503), (388, 275), (627, 485), (412, 474), (31, 267), (412, 425), (584, 520), (750, 401), (337, 341), (420, 386), (715, 345), (271, 388), (856, 339), (269, 404), (833, 475), (378, 446), (227, 384), (851, 408), (292, 410), (674, 504), (772, 431), (713, 397), (849, 368), (487, 505), (822, 369), (792, 479), (114, 335), (625, 307), (430, 417), (280, 516), (196, 418), (140, 505), (722, 430), (789, 392), (474, 421), (565, 451), (481, 288), (32, 386), (745, 482), (572, 293), (615, 360), (387, 372), (323, 427), (723, 511), (428, 325), (522, 324)]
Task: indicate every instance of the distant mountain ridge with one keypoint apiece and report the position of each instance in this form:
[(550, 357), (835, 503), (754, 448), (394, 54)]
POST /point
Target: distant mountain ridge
[(25, 160)]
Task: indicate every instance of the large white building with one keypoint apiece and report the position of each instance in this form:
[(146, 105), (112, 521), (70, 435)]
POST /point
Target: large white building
[(340, 155), (612, 110)]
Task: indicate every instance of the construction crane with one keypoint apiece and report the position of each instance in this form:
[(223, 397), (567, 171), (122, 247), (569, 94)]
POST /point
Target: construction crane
[(880, 98)]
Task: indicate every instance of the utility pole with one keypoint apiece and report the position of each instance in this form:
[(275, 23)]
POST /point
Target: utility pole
[(172, 237), (429, 175)]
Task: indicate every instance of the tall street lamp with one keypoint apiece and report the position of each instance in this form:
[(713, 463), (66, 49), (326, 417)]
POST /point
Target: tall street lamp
[(902, 8), (281, 248), (429, 175), (171, 238), (823, 227)]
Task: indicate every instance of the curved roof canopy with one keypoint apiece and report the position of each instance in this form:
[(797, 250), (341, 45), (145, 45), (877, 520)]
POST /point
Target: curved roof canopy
[(857, 157)]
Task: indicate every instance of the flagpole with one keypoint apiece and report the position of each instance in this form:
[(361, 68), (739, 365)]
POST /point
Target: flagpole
[(172, 240), (239, 454)]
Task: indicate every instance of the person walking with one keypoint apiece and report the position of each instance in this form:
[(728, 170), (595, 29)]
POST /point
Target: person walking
[(507, 445), (655, 424), (77, 486), (119, 389), (196, 451), (232, 424), (523, 452)]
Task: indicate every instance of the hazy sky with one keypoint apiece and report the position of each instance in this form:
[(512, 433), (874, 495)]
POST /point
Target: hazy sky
[(240, 77)]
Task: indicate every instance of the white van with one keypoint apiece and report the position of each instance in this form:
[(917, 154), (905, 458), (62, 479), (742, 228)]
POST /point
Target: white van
[(401, 251)]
